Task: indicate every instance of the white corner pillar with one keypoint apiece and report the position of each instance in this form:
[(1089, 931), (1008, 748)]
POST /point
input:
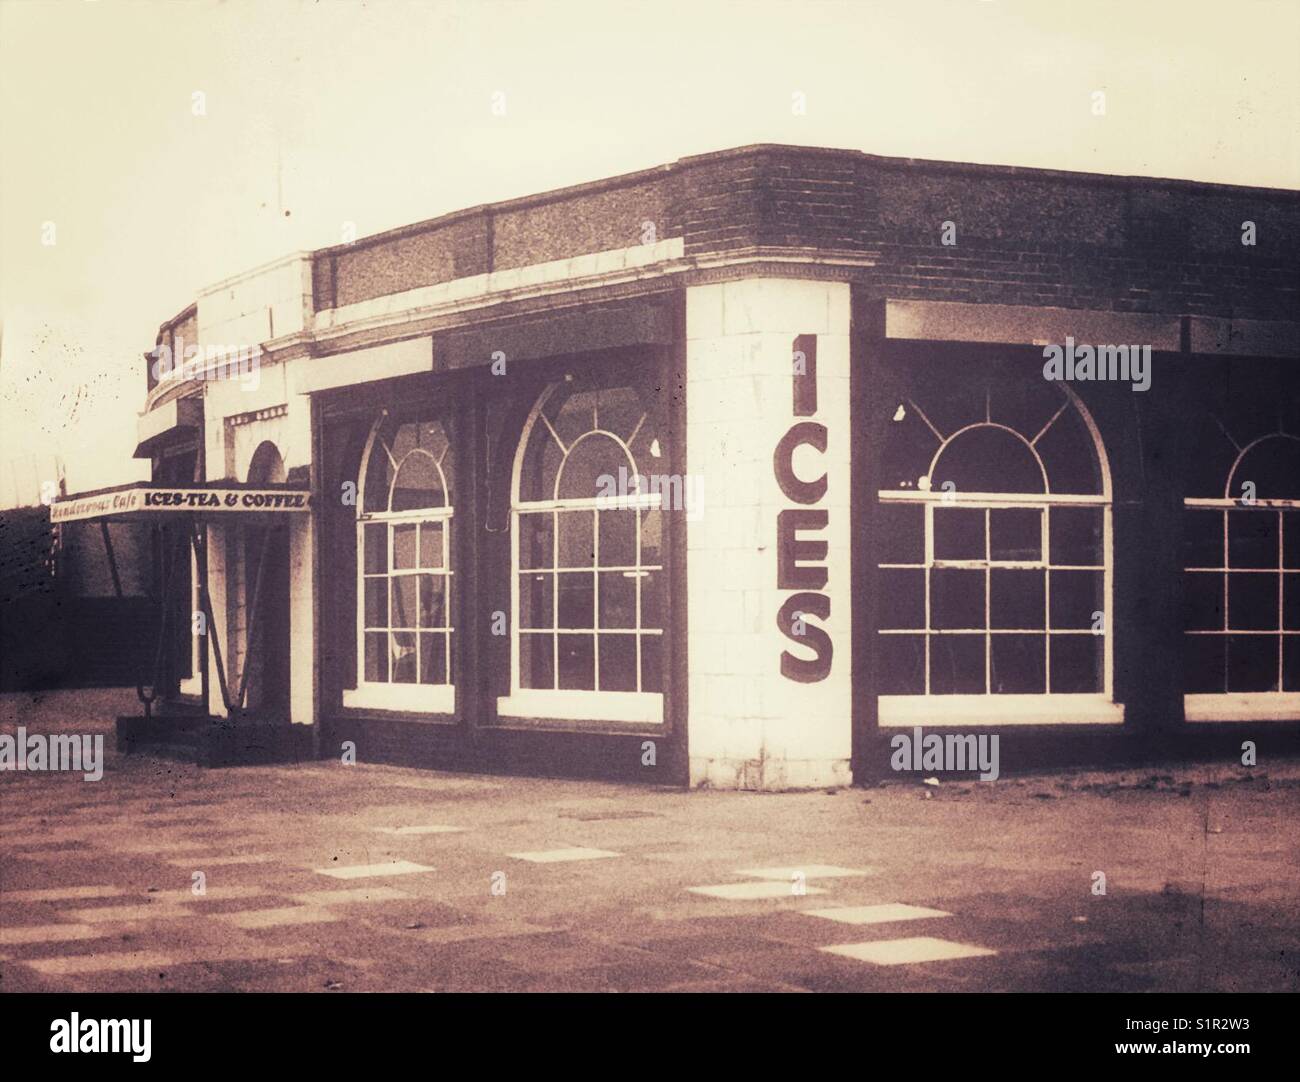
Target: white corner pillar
[(302, 651), (768, 557)]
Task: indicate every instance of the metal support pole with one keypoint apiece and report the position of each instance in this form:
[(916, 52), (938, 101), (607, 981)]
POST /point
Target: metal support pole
[(205, 603)]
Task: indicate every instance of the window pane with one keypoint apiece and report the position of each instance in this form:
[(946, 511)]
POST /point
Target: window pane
[(651, 538), (902, 598), (958, 533), (403, 644), (377, 602), (577, 600), (1273, 467), (541, 464), (1252, 602), (536, 661), (956, 664), (909, 446), (417, 483), (535, 600), (1019, 665), (433, 600), (404, 546), (578, 662), (1076, 664), (433, 659), (1291, 663), (576, 546), (652, 600), (1203, 539), (536, 540), (1204, 657), (1252, 539), (1076, 595), (956, 598), (617, 599), (902, 664), (1252, 663), (403, 610), (431, 544), (592, 467), (619, 410), (652, 678), (1068, 452), (379, 471), (1016, 598), (572, 413), (1291, 539), (376, 542), (377, 657), (1076, 536), (618, 663), (617, 538), (1016, 534), (1203, 600), (1291, 602), (900, 533)]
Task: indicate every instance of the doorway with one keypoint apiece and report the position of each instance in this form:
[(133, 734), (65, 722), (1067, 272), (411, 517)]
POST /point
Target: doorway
[(266, 600)]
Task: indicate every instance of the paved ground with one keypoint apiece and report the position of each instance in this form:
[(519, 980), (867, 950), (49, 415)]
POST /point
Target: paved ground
[(327, 877)]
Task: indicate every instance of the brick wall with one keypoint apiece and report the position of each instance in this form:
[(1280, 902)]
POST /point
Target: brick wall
[(1023, 236), (1086, 242)]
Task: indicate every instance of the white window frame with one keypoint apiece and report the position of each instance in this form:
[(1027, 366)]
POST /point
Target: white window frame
[(571, 704), (988, 707), (388, 695), (1248, 705)]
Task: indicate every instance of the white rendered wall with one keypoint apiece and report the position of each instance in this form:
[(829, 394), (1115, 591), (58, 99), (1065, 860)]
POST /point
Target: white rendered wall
[(751, 727)]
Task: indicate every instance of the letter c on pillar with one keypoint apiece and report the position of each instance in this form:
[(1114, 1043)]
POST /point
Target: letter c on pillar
[(813, 435)]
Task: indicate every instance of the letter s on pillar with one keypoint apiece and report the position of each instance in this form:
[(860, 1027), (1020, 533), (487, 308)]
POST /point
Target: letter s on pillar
[(806, 670), (805, 432)]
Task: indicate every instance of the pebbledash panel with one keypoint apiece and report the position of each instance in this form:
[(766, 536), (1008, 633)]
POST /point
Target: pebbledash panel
[(727, 472)]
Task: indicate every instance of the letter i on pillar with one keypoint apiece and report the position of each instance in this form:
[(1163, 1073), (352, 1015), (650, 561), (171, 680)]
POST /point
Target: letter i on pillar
[(804, 369)]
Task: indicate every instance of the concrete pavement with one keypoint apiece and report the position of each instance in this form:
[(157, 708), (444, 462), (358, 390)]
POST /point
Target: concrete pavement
[(325, 877)]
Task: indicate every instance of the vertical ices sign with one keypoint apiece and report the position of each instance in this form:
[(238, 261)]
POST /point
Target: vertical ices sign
[(800, 563)]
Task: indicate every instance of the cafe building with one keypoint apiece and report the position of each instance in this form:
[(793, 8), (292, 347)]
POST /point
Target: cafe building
[(725, 472)]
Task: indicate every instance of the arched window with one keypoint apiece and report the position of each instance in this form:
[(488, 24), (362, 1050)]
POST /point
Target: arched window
[(587, 512), (1241, 586), (404, 517), (994, 555)]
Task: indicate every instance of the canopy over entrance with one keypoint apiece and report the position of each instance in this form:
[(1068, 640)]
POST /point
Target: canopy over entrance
[(186, 506), (155, 500)]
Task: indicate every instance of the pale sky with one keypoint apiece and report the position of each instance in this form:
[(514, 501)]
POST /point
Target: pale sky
[(379, 113)]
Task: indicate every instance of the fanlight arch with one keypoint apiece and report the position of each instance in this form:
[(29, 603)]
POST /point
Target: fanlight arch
[(414, 453), (1271, 463), (1020, 467)]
